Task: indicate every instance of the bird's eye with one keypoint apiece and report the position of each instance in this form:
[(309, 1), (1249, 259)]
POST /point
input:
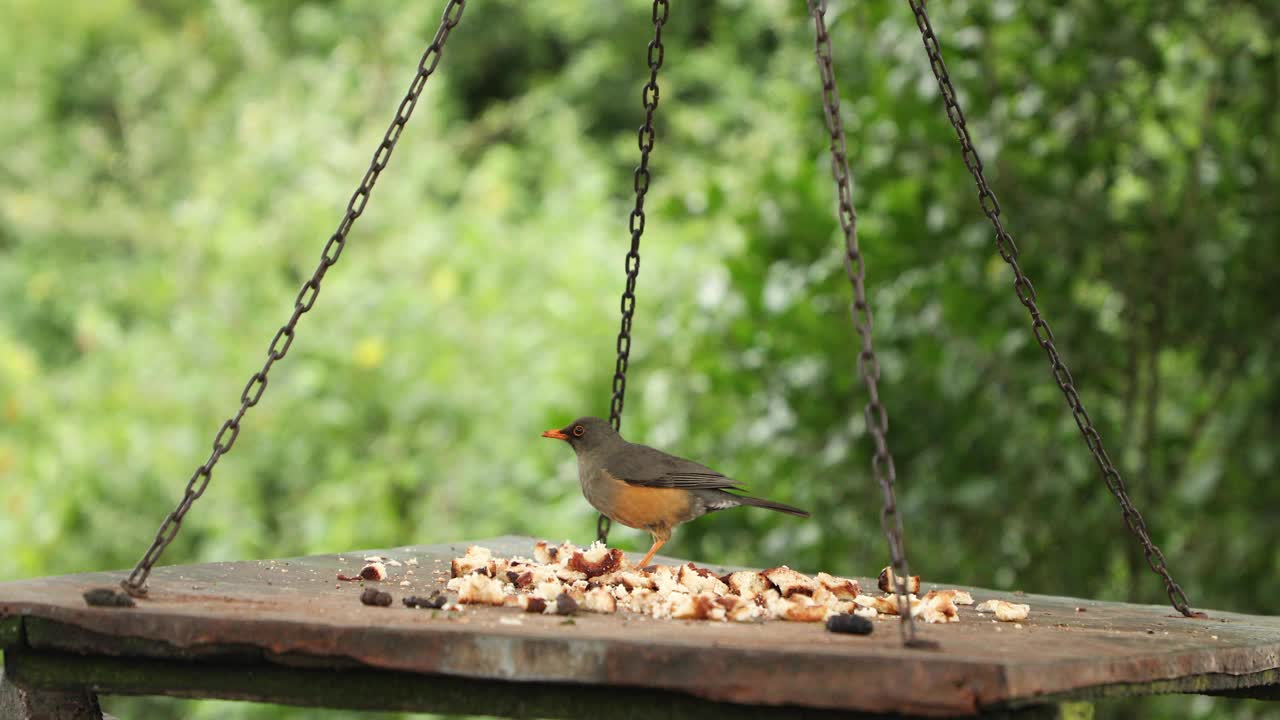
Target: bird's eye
[(579, 431)]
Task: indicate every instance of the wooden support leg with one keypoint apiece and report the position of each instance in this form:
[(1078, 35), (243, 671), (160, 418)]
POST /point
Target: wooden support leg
[(32, 704)]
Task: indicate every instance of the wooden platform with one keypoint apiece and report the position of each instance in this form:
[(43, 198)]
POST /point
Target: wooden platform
[(287, 631)]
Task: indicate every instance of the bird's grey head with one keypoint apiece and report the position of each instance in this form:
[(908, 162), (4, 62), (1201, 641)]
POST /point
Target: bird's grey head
[(586, 434)]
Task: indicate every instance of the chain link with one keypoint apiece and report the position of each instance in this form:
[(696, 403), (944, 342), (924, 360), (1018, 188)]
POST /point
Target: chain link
[(640, 183), (279, 347), (1044, 336), (877, 417)]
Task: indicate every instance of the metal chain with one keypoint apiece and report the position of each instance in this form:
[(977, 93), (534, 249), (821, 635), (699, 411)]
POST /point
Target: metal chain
[(640, 181), (252, 393), (1044, 336), (877, 417)]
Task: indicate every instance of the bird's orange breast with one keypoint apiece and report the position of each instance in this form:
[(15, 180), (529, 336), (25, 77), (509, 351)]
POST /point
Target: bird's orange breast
[(645, 507)]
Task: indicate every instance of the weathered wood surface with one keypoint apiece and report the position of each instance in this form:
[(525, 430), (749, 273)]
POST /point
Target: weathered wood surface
[(293, 613)]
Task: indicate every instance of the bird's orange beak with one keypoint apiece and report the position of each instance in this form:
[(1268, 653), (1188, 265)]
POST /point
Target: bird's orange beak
[(558, 435)]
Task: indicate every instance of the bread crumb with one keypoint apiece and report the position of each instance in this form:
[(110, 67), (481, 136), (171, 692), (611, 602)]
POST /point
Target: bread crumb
[(480, 589), (1004, 610), (789, 582), (887, 581)]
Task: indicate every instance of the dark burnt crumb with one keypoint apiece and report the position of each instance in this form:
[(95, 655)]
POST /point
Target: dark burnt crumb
[(435, 602), (524, 580), (851, 624), (512, 576), (535, 605), (650, 568), (565, 605), (1080, 609), (371, 571), (376, 597), (106, 597), (704, 572)]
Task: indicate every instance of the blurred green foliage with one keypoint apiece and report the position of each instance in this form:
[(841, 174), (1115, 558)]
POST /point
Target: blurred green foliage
[(171, 169)]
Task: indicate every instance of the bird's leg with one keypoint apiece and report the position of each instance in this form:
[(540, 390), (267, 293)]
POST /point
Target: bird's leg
[(660, 537), (656, 544)]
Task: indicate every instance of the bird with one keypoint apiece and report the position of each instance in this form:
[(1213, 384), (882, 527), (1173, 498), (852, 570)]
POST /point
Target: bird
[(645, 488)]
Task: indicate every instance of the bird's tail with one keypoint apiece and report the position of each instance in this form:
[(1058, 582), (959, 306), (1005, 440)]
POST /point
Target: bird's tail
[(769, 504)]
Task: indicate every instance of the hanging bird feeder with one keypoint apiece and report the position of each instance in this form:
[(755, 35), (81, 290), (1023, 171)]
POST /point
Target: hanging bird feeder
[(284, 631)]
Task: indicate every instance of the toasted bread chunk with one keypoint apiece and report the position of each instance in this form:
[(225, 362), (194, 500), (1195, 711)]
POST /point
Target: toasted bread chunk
[(480, 589), (598, 600), (1004, 610), (747, 583), (886, 581), (700, 580), (597, 560), (476, 558), (789, 582), (842, 588)]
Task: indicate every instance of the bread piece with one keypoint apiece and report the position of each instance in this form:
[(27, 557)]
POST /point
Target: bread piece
[(700, 580), (789, 582), (641, 600), (886, 581), (554, 554), (628, 579), (476, 558), (533, 604), (375, 571), (665, 580), (739, 609), (595, 561), (938, 606), (802, 608), (747, 583), (480, 589), (699, 606), (1005, 611), (842, 588), (598, 600), (548, 590)]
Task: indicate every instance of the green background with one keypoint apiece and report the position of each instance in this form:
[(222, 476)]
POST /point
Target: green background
[(170, 171)]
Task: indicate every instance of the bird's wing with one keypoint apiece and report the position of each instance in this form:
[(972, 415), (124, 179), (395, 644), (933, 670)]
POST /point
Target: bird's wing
[(646, 467)]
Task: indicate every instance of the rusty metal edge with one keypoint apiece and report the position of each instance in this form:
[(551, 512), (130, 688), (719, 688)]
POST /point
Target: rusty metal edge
[(968, 686), (366, 689)]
